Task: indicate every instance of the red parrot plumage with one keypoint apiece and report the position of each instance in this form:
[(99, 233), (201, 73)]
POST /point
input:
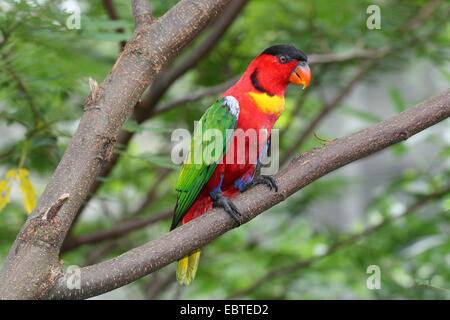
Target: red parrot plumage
[(255, 102)]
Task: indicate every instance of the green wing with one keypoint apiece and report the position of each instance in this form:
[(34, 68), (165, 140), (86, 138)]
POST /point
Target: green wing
[(216, 127)]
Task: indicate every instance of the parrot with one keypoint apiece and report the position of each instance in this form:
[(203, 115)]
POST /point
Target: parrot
[(255, 102)]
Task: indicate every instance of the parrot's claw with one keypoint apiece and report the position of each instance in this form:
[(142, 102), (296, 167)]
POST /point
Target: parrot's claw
[(222, 201), (262, 179)]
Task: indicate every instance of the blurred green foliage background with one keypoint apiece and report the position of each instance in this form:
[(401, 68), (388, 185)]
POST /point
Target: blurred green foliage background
[(391, 210)]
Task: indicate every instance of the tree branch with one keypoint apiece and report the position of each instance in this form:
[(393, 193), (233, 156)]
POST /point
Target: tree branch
[(151, 194), (8, 152), (425, 13), (112, 14), (349, 56), (111, 10), (125, 227), (303, 169), (211, 91), (21, 87), (142, 14), (158, 286), (118, 231), (97, 254), (33, 259)]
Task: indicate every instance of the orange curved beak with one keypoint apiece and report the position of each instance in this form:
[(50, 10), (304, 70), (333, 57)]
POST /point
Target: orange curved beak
[(301, 75)]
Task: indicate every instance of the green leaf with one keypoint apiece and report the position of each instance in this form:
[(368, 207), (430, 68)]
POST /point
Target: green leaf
[(102, 24), (103, 179), (447, 205), (397, 99), (446, 74), (132, 126), (360, 114), (160, 161), (43, 142), (399, 149), (109, 36)]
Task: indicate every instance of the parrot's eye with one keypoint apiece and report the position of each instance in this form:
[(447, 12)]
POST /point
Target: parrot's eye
[(283, 59)]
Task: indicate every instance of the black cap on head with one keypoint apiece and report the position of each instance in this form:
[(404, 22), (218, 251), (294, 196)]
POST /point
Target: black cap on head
[(286, 50)]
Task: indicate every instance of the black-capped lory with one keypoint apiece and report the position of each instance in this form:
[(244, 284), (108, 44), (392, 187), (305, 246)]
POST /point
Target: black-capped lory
[(210, 177)]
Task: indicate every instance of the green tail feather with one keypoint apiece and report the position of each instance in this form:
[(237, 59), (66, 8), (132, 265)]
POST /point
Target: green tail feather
[(187, 267)]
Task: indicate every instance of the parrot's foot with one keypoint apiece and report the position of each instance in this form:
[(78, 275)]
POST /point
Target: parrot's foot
[(263, 179), (222, 201)]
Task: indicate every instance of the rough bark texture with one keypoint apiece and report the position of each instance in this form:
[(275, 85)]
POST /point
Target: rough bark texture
[(32, 265), (303, 169)]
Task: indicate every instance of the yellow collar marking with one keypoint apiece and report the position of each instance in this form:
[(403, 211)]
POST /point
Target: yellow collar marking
[(268, 104)]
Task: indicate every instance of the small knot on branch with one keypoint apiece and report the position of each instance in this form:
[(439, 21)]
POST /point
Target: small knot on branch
[(105, 148), (49, 281), (94, 97), (405, 134), (297, 157), (51, 212)]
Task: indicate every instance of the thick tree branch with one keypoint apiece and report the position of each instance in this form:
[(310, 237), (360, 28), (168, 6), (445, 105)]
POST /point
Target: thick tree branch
[(303, 169), (32, 264)]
